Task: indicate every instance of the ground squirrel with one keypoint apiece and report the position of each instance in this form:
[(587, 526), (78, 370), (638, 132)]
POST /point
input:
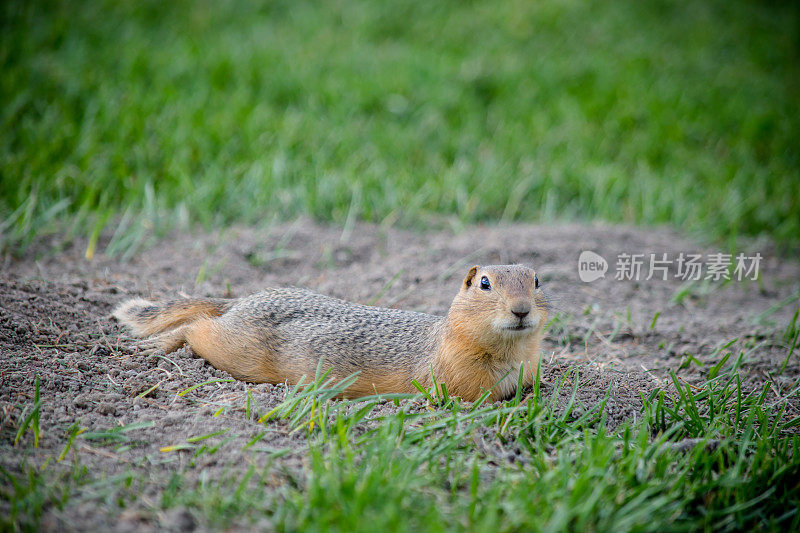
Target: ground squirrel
[(494, 324)]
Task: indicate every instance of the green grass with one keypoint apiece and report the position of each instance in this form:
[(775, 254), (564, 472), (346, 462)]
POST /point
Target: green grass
[(135, 116), (709, 457)]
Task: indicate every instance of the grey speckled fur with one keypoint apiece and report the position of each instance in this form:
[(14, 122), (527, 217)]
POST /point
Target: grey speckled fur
[(314, 325)]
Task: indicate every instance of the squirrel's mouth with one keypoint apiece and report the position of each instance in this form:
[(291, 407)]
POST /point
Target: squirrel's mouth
[(522, 326)]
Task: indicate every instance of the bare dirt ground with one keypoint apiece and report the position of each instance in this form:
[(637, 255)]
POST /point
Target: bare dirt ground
[(623, 337)]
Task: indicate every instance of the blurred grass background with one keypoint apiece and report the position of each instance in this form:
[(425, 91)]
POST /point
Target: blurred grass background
[(134, 116)]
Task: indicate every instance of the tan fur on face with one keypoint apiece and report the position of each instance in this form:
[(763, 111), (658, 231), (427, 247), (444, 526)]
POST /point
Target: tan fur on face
[(478, 350)]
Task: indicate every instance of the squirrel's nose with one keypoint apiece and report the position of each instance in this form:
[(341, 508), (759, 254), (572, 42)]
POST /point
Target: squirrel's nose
[(521, 309)]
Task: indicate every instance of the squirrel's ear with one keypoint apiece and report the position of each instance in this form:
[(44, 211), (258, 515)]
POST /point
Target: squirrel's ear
[(470, 277)]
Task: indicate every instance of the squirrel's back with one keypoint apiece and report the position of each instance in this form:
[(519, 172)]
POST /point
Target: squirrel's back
[(349, 337)]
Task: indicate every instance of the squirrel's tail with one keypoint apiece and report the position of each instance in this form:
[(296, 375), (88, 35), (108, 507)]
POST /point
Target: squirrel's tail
[(146, 318)]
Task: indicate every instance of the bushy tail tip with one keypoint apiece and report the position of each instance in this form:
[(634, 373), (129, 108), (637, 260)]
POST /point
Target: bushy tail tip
[(145, 318), (136, 314)]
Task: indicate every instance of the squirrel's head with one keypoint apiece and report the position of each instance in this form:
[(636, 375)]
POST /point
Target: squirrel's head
[(503, 300)]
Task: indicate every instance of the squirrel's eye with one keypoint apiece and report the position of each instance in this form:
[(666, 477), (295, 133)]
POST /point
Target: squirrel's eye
[(536, 282), (485, 283)]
